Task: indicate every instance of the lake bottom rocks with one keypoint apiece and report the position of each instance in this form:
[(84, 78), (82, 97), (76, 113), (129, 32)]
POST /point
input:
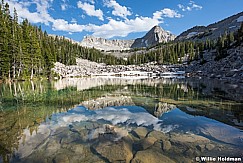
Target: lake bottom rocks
[(141, 145)]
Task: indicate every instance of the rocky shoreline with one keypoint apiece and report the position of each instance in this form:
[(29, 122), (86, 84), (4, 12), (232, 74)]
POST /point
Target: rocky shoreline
[(87, 68)]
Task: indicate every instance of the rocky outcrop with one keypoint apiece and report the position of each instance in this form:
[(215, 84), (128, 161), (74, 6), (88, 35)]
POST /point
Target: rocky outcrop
[(105, 44), (212, 31), (228, 68), (155, 36)]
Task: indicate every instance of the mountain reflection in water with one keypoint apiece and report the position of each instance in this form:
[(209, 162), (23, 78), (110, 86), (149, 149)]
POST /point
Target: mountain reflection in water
[(106, 120)]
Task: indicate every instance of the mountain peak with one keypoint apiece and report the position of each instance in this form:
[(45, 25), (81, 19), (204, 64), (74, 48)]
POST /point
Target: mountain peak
[(157, 28), (154, 36)]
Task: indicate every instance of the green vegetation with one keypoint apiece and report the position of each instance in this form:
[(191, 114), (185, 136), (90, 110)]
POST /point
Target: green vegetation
[(171, 53), (228, 40), (174, 52), (25, 105), (28, 52)]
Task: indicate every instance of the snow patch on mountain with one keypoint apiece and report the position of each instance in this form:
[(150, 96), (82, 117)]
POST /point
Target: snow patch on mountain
[(240, 19), (191, 34)]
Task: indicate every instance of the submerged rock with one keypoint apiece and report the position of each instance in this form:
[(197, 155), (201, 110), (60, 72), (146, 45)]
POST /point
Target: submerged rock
[(201, 147), (166, 145), (158, 135), (61, 158), (210, 147), (141, 132), (188, 138), (52, 146), (151, 156), (144, 143), (115, 151)]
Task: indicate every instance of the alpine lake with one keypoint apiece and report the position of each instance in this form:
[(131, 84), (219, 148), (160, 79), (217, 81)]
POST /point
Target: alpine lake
[(102, 119)]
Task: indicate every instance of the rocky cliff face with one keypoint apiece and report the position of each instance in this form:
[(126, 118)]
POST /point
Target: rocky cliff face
[(105, 44), (212, 31), (153, 37)]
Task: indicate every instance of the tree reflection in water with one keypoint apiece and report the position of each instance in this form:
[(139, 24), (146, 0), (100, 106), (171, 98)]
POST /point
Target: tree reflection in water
[(27, 105)]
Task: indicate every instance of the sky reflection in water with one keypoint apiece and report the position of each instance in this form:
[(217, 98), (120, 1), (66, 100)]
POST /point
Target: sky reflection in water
[(41, 111)]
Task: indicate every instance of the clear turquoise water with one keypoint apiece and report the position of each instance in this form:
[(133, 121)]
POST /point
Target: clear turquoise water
[(78, 111)]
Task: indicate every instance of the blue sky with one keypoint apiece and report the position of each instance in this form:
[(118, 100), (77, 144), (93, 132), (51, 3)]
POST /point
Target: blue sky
[(121, 19)]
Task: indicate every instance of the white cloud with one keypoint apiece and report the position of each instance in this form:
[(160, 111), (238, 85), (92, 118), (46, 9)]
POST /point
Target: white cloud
[(182, 7), (63, 25), (114, 27), (121, 11), (63, 7), (41, 16), (90, 10), (139, 24), (191, 5), (123, 28), (195, 6), (111, 29), (166, 12), (25, 3)]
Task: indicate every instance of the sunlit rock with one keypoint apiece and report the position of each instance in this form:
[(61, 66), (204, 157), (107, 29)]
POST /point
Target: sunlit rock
[(141, 132), (158, 135), (151, 155)]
